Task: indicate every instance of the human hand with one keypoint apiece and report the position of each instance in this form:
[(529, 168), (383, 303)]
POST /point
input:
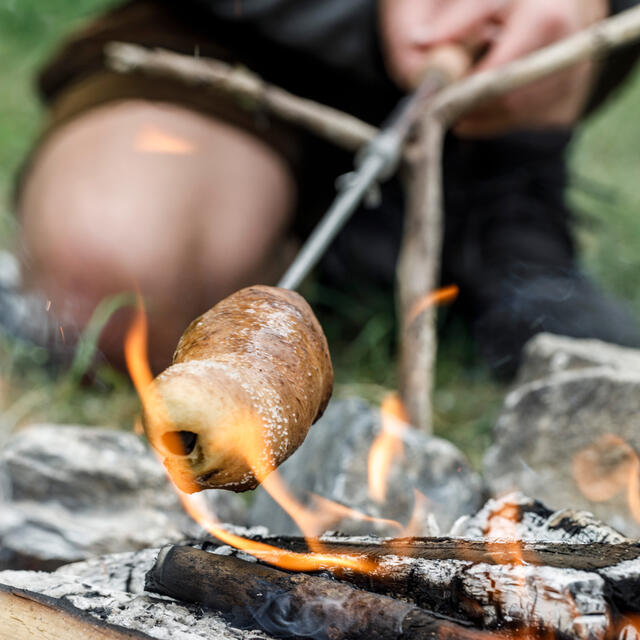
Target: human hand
[(504, 30)]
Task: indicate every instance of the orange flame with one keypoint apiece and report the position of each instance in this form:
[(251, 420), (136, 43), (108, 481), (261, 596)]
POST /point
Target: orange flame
[(503, 526), (312, 522), (441, 296), (152, 139), (135, 351), (419, 516), (606, 468), (289, 560), (388, 445)]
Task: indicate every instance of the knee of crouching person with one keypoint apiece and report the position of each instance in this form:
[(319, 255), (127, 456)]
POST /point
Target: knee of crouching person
[(81, 246)]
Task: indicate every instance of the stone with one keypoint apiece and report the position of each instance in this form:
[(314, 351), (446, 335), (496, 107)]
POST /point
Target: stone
[(71, 492), (430, 480), (571, 439), (547, 354)]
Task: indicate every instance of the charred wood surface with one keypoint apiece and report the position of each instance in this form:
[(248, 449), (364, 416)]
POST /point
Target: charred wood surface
[(293, 605), (497, 585), (561, 555)]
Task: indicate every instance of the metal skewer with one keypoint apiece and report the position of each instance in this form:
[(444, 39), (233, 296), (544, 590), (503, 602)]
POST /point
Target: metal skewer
[(376, 162)]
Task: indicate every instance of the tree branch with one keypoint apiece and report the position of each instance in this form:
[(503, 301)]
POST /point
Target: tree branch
[(419, 265), (250, 90), (418, 272)]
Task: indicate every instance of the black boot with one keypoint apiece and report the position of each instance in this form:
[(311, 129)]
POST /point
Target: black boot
[(508, 246)]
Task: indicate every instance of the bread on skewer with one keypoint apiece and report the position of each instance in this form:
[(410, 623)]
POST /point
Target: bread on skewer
[(248, 379)]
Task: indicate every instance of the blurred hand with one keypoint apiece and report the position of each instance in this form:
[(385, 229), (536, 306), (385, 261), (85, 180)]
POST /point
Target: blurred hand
[(503, 30)]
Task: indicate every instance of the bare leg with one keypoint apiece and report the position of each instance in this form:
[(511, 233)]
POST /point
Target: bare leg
[(153, 196)]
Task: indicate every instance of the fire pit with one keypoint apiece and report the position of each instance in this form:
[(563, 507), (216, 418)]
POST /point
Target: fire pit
[(581, 580)]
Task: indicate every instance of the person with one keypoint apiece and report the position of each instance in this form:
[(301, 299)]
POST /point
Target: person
[(145, 182)]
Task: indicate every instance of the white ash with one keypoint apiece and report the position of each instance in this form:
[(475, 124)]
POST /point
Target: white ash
[(236, 553), (570, 601), (111, 589), (517, 516), (562, 599)]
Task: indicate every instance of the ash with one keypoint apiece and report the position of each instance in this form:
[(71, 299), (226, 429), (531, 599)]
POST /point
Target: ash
[(111, 590)]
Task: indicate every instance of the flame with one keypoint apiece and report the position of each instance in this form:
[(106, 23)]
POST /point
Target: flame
[(628, 628), (289, 560), (135, 350), (152, 139), (606, 468), (503, 526), (420, 514), (388, 445), (441, 296), (312, 521)]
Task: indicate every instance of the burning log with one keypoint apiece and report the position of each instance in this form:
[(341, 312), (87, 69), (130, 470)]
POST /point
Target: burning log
[(293, 605), (581, 557), (568, 589)]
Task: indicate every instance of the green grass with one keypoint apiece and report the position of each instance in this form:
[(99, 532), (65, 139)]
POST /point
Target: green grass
[(605, 163)]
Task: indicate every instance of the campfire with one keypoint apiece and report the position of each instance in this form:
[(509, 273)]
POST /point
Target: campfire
[(514, 570)]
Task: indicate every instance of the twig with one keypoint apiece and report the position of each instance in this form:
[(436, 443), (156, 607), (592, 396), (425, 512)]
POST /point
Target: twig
[(418, 273), (251, 91)]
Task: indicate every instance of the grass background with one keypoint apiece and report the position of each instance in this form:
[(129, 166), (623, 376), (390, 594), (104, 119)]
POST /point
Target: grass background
[(605, 164)]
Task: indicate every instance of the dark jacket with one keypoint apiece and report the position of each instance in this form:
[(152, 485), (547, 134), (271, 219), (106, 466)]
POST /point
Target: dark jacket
[(341, 37)]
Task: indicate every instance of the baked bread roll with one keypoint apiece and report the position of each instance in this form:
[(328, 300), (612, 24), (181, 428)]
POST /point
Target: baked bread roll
[(248, 379)]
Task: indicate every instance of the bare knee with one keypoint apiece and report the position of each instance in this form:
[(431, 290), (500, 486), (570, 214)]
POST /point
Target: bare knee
[(104, 211)]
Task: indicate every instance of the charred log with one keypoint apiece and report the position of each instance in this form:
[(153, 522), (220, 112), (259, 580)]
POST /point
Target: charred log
[(561, 555), (293, 605), (489, 584)]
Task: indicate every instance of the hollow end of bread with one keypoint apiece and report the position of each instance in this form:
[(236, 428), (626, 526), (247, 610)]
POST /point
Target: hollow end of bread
[(200, 424)]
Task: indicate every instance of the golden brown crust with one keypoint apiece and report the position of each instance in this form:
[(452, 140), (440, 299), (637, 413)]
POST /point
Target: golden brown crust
[(249, 378)]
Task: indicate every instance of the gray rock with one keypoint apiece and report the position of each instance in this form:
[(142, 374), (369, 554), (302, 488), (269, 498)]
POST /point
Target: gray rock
[(69, 493), (547, 354), (333, 463), (571, 440)]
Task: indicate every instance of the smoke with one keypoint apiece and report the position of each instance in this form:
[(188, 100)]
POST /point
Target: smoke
[(281, 614)]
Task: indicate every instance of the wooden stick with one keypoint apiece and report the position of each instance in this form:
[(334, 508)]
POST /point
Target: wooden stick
[(26, 615), (250, 90), (293, 605), (418, 274), (494, 585)]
